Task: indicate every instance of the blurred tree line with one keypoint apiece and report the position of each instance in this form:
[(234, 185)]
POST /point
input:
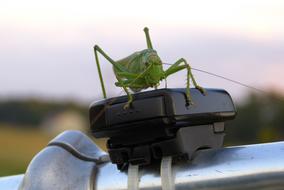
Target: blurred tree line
[(260, 118), (31, 113)]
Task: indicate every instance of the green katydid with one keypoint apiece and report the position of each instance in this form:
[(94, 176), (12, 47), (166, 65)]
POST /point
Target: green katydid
[(144, 69)]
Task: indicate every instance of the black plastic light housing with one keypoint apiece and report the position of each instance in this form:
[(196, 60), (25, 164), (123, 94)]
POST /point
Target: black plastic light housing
[(160, 123)]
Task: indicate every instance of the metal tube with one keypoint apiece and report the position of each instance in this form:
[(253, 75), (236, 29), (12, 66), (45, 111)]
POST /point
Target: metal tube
[(11, 182), (259, 166), (252, 167)]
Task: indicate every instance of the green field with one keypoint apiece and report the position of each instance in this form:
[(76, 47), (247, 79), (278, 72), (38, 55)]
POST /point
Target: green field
[(19, 146)]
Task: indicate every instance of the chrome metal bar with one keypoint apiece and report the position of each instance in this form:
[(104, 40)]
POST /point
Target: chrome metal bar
[(259, 166), (11, 182), (248, 167)]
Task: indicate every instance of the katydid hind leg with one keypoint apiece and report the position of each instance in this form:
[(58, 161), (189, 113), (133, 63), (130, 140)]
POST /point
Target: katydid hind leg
[(119, 67), (201, 89), (99, 71), (177, 67)]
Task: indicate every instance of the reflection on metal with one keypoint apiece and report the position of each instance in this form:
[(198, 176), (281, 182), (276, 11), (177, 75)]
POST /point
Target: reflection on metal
[(69, 162), (259, 167), (253, 167), (80, 145), (10, 183)]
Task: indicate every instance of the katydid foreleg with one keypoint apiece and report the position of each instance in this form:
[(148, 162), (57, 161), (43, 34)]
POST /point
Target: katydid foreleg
[(129, 96), (131, 82)]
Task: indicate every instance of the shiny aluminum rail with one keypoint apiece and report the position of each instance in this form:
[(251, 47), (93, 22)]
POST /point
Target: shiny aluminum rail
[(259, 166), (249, 167), (11, 182)]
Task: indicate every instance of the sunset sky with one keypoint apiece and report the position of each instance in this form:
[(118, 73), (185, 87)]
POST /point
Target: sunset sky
[(46, 46)]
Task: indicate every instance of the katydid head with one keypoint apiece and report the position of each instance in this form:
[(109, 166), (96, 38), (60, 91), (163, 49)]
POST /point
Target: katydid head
[(150, 57), (154, 67), (154, 59)]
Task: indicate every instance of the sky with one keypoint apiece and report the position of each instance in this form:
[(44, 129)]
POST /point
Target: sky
[(46, 47)]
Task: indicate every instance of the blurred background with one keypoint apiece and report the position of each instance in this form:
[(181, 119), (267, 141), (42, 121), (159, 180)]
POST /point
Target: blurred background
[(48, 75)]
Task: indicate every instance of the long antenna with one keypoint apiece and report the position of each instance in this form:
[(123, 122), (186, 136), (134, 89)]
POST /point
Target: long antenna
[(225, 78)]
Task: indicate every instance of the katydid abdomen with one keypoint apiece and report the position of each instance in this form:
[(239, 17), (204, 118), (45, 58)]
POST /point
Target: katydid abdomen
[(143, 69)]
